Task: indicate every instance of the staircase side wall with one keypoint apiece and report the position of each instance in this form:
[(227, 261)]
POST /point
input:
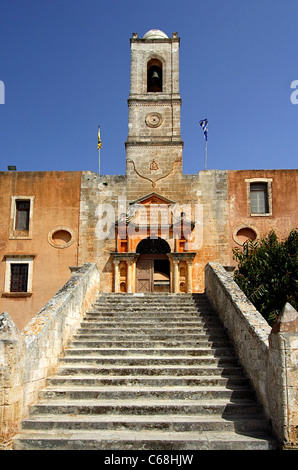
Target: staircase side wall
[(246, 327), (269, 356), (33, 355)]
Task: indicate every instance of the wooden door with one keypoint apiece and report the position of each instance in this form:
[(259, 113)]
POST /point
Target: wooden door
[(144, 275)]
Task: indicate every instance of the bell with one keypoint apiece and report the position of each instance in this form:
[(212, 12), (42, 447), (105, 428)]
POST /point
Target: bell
[(155, 75)]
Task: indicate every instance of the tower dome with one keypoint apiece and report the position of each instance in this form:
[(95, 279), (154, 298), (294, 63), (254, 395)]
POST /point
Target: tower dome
[(155, 34)]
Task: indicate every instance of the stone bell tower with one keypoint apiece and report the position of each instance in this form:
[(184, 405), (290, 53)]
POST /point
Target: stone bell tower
[(154, 146)]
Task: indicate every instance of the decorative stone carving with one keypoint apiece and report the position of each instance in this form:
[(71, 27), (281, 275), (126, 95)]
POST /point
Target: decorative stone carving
[(154, 165)]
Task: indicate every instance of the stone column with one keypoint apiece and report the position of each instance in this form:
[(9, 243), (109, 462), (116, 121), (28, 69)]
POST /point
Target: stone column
[(129, 275), (116, 275), (189, 275), (176, 275)]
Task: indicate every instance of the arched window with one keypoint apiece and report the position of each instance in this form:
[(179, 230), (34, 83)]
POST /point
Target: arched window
[(153, 246), (154, 76)]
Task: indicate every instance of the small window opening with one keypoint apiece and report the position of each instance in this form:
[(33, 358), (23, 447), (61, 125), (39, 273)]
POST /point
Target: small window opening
[(22, 215), (19, 277), (154, 76)]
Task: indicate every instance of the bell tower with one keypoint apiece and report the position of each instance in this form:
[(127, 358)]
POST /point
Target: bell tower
[(154, 146)]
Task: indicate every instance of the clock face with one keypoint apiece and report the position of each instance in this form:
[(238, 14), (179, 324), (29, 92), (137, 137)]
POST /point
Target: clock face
[(153, 120)]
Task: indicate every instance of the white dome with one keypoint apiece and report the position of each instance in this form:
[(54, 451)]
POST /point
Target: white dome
[(155, 34)]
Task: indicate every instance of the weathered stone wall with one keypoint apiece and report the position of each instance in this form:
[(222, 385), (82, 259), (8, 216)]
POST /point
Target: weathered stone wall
[(29, 356), (99, 192), (269, 357)]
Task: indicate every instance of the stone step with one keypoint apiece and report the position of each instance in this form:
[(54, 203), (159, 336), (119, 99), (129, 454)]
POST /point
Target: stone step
[(171, 422), (166, 309), (154, 340), (149, 317), (143, 380), (153, 336), (135, 392), (171, 315), (143, 321), (91, 342), (133, 440), (144, 299), (161, 370), (184, 361), (87, 351), (142, 406), (150, 295), (141, 330)]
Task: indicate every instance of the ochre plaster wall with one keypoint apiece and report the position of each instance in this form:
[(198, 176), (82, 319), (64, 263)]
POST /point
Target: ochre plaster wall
[(56, 203), (284, 216)]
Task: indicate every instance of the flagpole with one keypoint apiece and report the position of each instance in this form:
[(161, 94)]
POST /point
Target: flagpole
[(98, 147), (204, 125)]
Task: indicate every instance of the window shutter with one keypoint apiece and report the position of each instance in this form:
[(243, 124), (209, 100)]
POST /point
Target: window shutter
[(22, 215), (258, 198)]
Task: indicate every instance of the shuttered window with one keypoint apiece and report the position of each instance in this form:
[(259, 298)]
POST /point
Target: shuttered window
[(259, 198), (22, 215), (19, 277)]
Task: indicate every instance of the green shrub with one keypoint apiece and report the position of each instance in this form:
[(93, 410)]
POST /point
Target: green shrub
[(267, 273)]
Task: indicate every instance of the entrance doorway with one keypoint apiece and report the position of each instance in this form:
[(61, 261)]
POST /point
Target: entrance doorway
[(153, 266)]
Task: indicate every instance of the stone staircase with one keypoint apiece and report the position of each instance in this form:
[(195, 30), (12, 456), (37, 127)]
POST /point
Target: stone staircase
[(151, 372)]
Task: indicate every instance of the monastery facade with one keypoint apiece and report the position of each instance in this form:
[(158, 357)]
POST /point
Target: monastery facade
[(153, 229)]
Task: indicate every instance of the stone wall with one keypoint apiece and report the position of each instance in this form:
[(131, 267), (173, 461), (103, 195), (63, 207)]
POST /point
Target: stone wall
[(28, 357), (99, 192), (269, 356)]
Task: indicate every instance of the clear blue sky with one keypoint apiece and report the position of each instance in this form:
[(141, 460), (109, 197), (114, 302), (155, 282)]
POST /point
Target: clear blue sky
[(66, 68)]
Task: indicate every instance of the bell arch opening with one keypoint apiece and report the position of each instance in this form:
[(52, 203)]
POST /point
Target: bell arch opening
[(154, 76)]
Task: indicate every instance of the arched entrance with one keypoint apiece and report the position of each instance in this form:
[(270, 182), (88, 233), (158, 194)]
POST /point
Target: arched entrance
[(153, 266)]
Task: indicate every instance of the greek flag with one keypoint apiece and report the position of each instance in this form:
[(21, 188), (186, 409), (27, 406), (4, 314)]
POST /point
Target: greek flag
[(204, 125)]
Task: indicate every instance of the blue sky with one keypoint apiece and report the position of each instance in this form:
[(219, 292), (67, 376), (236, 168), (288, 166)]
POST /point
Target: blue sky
[(65, 65)]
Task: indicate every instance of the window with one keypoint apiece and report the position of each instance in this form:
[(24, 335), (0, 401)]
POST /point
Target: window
[(259, 196), (21, 217), (18, 275)]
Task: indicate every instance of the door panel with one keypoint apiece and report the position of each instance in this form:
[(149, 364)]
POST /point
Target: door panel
[(144, 275)]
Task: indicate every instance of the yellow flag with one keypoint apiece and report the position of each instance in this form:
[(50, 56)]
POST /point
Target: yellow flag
[(98, 139)]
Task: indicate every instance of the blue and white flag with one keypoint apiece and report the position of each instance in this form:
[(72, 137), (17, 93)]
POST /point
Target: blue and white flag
[(204, 125)]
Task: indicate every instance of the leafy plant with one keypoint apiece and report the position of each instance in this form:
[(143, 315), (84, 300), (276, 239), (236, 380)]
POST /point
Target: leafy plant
[(267, 273)]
